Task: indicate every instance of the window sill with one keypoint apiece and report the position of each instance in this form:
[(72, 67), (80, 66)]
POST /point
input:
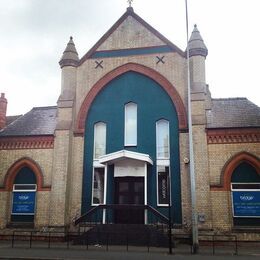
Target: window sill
[(20, 225)]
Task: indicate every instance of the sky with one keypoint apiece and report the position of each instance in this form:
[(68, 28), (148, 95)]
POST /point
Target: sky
[(34, 34)]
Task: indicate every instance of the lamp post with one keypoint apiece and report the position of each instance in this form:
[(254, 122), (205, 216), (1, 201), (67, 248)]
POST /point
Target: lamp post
[(195, 240)]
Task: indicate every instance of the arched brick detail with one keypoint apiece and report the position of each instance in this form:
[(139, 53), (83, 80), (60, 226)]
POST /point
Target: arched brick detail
[(161, 80), (231, 165), (16, 167)]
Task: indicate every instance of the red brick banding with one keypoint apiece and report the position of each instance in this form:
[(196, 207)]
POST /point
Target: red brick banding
[(154, 75), (231, 165), (26, 142), (237, 135), (16, 167)]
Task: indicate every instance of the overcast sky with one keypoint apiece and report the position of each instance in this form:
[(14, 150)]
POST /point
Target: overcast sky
[(34, 34)]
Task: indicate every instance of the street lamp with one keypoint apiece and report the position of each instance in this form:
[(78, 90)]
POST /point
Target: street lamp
[(195, 240)]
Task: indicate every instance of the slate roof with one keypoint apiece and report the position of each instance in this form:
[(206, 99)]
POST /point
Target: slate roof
[(11, 119), (233, 112), (225, 113), (38, 121)]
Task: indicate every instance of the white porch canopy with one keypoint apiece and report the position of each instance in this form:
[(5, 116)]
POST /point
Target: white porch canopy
[(115, 157)]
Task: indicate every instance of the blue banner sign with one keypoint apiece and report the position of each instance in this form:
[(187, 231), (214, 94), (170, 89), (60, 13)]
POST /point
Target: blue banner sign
[(246, 203), (23, 203)]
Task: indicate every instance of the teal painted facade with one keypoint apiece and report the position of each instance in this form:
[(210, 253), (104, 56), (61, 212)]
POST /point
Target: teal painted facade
[(153, 104), (129, 52)]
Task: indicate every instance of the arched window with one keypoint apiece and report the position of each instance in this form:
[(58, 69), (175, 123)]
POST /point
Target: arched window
[(245, 192), (98, 179), (99, 139), (162, 139), (163, 162), (130, 124), (24, 196)]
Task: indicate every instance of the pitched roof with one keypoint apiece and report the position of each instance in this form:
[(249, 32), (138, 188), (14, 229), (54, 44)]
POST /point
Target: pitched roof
[(11, 119), (233, 112), (38, 121), (130, 12)]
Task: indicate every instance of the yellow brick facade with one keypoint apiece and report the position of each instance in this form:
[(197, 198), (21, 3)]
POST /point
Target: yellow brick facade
[(44, 158), (62, 166)]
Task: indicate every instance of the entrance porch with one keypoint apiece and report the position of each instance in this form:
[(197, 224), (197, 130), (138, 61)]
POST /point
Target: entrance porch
[(130, 186)]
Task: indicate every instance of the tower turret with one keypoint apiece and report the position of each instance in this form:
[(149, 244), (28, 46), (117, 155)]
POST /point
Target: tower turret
[(68, 63), (70, 55), (197, 53), (196, 44), (63, 136)]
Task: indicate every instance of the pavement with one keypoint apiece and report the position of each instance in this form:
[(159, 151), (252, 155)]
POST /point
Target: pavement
[(64, 251)]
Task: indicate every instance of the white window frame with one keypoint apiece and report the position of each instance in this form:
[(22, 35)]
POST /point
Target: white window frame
[(23, 185), (126, 127), (105, 185), (157, 138), (24, 190), (164, 162), (248, 189), (95, 137)]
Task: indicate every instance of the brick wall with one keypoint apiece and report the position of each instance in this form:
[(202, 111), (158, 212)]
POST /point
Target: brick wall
[(43, 157), (219, 155)]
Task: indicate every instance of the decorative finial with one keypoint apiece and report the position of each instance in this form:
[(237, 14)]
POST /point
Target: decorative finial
[(130, 2)]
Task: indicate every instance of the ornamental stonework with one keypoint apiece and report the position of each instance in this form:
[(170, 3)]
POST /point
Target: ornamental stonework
[(223, 136), (41, 142)]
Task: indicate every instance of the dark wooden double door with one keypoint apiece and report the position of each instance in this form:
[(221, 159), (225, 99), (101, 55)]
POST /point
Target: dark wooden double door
[(129, 191)]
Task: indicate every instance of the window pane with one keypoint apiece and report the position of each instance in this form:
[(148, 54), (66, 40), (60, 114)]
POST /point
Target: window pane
[(100, 140), (98, 186), (162, 139), (131, 124), (24, 187), (246, 186), (163, 196)]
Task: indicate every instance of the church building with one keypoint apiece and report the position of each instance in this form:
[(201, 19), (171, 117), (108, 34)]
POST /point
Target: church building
[(118, 141)]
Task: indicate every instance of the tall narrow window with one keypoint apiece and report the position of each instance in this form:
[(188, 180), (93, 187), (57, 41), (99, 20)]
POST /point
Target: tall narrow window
[(98, 186), (163, 162), (163, 185), (99, 139), (162, 139), (130, 124), (24, 196)]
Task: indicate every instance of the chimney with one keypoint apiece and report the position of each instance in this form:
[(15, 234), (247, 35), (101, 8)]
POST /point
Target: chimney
[(3, 106)]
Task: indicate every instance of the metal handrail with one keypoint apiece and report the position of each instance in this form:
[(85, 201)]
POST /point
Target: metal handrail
[(121, 206)]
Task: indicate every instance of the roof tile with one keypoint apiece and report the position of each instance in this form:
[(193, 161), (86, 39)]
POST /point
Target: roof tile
[(233, 112), (38, 121)]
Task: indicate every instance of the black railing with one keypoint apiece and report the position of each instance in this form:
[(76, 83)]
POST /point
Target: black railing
[(220, 241), (95, 215), (209, 244)]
